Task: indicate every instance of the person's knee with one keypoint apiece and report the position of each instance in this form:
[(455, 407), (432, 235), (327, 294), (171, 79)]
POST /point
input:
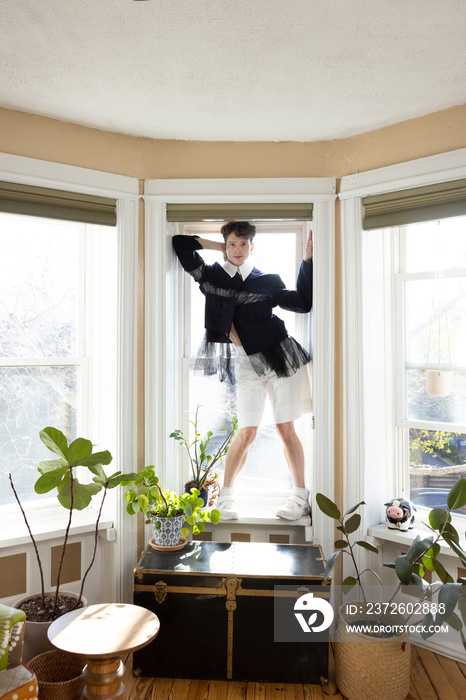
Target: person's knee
[(246, 436), (286, 431)]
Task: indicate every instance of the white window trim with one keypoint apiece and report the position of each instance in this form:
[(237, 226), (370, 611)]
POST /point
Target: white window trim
[(31, 171), (362, 478), (163, 357)]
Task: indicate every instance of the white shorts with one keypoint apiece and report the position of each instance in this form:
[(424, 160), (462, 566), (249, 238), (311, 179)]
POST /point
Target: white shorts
[(290, 397)]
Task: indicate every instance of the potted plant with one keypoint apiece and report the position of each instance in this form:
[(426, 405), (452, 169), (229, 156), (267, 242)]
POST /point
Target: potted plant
[(364, 667), (204, 458), (360, 668), (60, 473), (167, 510)]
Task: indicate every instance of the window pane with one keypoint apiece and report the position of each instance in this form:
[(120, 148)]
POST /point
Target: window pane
[(266, 468), (435, 245), (437, 460), (446, 409), (30, 399), (443, 301), (38, 287)]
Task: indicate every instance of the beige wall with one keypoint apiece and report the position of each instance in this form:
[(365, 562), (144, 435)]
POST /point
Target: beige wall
[(48, 139)]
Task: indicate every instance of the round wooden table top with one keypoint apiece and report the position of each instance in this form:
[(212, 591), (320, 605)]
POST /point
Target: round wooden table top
[(104, 630)]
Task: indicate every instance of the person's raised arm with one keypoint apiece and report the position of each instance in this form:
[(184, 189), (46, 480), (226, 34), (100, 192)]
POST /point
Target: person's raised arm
[(300, 299)]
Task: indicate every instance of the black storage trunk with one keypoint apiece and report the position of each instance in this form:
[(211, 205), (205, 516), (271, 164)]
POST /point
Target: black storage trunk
[(216, 606)]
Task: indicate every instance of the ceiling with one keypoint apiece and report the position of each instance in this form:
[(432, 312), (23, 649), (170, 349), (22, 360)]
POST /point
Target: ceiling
[(233, 70)]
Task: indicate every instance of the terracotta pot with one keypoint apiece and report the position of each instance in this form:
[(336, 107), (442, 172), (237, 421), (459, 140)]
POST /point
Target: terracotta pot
[(35, 636)]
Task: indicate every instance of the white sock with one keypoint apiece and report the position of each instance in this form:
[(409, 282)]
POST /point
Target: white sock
[(226, 492), (301, 491)]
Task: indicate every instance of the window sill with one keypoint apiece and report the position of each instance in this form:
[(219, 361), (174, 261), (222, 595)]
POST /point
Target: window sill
[(47, 524), (382, 532)]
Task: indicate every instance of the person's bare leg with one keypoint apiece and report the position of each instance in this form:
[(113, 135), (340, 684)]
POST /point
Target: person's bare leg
[(234, 463), (294, 452), (298, 503)]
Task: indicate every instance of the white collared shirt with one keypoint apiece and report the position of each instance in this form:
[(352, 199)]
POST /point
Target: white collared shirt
[(244, 270)]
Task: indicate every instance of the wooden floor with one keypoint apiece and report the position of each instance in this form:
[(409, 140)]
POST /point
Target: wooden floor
[(433, 677)]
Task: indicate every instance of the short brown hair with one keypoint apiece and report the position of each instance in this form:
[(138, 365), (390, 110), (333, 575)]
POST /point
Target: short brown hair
[(242, 229)]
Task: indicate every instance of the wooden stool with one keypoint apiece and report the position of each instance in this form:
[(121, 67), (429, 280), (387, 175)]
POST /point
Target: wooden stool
[(103, 635)]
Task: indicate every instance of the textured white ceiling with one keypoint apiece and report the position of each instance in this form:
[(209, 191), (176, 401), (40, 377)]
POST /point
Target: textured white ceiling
[(233, 70)]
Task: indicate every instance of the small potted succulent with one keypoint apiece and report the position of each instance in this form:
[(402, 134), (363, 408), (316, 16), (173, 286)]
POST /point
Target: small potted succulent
[(167, 510), (204, 458)]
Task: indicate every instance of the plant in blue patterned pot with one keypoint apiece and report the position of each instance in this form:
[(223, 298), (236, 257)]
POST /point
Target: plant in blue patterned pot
[(167, 510)]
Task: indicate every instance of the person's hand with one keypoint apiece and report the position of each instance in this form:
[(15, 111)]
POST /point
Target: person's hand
[(308, 252)]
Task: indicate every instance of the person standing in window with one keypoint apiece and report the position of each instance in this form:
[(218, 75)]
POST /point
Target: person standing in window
[(268, 362)]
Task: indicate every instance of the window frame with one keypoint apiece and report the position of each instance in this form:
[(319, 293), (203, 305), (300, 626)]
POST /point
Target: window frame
[(363, 479), (302, 332), (164, 294), (40, 173)]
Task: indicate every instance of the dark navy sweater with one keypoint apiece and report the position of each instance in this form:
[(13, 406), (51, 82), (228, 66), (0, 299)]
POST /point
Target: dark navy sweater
[(247, 304)]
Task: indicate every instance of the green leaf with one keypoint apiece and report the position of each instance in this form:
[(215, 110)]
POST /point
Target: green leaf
[(450, 532), (353, 523), (404, 569), (331, 563), (366, 545), (438, 517), (50, 480), (389, 565), (427, 624), (55, 441), (184, 532), (351, 510), (340, 544), (455, 547), (51, 465), (418, 548), (455, 622), (448, 596), (82, 494), (441, 572), (457, 496), (97, 458), (123, 479), (143, 503), (348, 583), (80, 449), (130, 509), (188, 511), (99, 472), (215, 516), (462, 608), (342, 528), (327, 506)]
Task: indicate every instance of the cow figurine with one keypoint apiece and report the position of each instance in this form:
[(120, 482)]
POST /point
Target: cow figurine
[(400, 514)]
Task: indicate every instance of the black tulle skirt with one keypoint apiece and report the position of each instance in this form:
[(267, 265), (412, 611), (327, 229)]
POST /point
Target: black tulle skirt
[(284, 358)]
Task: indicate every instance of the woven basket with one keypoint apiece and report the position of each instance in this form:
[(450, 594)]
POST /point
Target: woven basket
[(372, 669), (59, 675)]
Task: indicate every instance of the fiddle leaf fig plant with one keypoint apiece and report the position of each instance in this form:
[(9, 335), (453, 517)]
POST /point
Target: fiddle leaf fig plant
[(146, 496), (60, 473)]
